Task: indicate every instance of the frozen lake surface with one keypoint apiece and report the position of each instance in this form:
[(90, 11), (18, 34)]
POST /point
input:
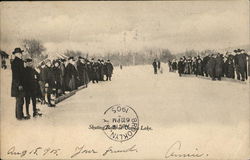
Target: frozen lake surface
[(212, 116)]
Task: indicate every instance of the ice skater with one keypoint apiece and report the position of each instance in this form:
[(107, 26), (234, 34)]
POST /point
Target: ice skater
[(155, 66)]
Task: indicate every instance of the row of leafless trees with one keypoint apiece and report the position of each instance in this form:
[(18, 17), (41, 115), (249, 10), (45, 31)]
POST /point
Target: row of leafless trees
[(36, 50)]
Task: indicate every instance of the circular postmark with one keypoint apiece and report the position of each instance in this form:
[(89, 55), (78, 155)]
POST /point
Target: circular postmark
[(121, 123)]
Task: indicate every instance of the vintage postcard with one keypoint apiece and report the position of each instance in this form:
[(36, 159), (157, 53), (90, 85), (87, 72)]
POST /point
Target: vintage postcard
[(125, 80)]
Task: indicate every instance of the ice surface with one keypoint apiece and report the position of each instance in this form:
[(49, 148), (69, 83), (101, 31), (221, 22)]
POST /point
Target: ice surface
[(210, 115)]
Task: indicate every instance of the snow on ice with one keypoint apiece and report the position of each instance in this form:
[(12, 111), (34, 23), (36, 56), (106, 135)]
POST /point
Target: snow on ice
[(209, 115)]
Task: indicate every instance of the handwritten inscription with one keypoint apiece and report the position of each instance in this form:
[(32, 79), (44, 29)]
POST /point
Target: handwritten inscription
[(111, 150), (78, 152), (82, 150), (36, 151), (174, 151)]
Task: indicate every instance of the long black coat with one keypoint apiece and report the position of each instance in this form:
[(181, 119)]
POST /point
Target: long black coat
[(204, 64), (242, 62), (109, 69), (42, 75), (85, 73), (154, 64), (71, 75), (57, 75), (62, 76), (101, 71), (18, 77), (211, 67), (80, 68), (174, 66), (31, 85), (105, 69), (49, 77), (218, 66), (95, 71), (181, 67), (89, 70), (230, 67)]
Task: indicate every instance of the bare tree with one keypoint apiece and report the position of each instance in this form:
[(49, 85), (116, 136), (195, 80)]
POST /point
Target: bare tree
[(34, 48)]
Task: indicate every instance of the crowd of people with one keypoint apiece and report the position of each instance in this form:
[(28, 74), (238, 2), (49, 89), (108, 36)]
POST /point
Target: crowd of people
[(52, 78), (231, 65)]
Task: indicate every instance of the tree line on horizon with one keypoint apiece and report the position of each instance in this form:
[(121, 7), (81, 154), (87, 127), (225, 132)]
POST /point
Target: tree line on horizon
[(37, 51)]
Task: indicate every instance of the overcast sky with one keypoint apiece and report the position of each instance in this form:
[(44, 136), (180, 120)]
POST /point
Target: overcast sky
[(97, 27)]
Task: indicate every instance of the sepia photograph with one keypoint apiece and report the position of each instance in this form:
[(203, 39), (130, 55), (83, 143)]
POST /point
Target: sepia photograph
[(125, 80)]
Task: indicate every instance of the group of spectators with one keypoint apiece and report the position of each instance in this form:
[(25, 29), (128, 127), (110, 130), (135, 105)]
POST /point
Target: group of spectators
[(52, 78), (231, 65)]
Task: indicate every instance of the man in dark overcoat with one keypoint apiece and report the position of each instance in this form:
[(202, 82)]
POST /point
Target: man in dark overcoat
[(243, 65), (230, 66), (80, 69), (105, 69), (110, 69), (62, 75), (181, 66), (199, 67), (155, 66), (90, 66), (85, 71), (218, 66), (174, 65), (204, 65), (101, 70), (159, 64), (57, 74), (49, 79), (95, 69), (18, 80), (32, 88), (211, 66)]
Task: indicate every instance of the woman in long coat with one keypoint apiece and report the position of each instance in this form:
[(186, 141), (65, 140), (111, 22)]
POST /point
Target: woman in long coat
[(211, 67), (70, 75), (57, 73), (218, 66)]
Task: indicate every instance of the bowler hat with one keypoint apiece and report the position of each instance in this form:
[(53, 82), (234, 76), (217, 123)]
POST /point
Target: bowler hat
[(63, 60), (17, 50)]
